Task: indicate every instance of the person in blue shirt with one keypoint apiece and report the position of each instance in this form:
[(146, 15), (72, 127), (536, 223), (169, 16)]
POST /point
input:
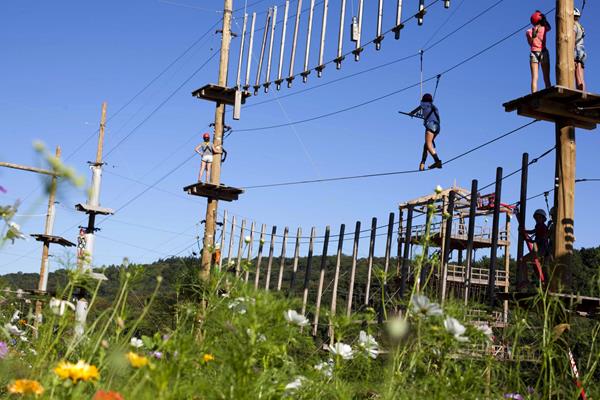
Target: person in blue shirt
[(431, 121)]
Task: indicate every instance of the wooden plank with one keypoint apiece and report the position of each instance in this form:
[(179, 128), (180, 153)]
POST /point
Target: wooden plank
[(336, 277), (52, 239), (282, 258), (222, 244), (249, 256), (263, 228), (388, 244), (353, 270), (240, 250), (231, 239), (296, 255), (321, 279), (270, 262), (399, 241), (218, 94), (308, 269), (370, 259)]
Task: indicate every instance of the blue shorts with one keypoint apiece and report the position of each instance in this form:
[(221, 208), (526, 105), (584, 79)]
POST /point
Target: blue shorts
[(433, 126)]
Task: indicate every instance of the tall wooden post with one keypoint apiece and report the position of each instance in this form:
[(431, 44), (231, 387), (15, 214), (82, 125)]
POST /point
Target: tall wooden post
[(564, 193), (495, 232), (215, 176), (470, 237), (521, 268)]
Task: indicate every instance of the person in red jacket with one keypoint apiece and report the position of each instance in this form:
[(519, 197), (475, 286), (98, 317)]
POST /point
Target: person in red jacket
[(536, 37)]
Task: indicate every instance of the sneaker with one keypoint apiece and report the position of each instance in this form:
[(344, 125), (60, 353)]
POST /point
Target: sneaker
[(437, 164), (422, 167)]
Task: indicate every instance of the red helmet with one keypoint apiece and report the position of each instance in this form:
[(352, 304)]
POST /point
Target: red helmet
[(536, 17), (427, 98), (206, 136)]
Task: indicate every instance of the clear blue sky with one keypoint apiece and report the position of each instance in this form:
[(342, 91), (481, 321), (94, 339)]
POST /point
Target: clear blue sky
[(60, 60)]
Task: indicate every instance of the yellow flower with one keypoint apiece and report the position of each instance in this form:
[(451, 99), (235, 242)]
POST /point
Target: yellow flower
[(25, 386), (76, 372), (208, 357), (136, 360)]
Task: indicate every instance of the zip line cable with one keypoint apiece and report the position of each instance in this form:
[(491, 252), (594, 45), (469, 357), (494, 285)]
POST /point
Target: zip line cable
[(373, 100), (342, 178)]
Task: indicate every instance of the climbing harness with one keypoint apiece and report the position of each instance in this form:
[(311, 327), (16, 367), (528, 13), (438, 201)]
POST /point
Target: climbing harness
[(420, 114)]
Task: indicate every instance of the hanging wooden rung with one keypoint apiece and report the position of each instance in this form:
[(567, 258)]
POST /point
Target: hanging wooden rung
[(219, 192), (219, 94), (40, 237), (558, 103)]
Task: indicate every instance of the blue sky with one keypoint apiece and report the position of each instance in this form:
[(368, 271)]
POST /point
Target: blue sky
[(62, 59)]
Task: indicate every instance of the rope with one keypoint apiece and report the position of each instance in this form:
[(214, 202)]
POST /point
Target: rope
[(421, 58)]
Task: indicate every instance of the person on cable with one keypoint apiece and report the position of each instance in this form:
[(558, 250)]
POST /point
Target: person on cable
[(536, 37), (431, 121), (580, 54), (206, 151), (537, 236)]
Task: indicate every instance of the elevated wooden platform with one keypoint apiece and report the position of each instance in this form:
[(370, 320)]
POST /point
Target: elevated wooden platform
[(52, 239), (557, 103), (582, 304), (482, 236), (93, 209), (219, 94), (219, 192)]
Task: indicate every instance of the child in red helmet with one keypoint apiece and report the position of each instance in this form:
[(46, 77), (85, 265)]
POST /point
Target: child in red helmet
[(206, 151), (431, 121), (536, 37)]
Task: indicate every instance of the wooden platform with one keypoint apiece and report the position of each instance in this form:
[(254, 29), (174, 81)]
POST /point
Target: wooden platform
[(219, 94), (219, 192), (557, 103), (582, 304), (52, 239), (93, 209)]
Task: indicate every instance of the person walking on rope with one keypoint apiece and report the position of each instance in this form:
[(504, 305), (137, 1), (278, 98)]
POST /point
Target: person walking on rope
[(539, 55), (580, 54), (540, 246), (431, 121), (206, 151)]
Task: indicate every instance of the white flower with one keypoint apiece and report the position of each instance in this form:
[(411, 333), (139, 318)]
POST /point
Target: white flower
[(343, 350), (13, 330), (247, 239), (295, 384), (438, 189), (259, 337), (397, 327), (14, 232), (486, 330), (293, 317), (422, 305), (326, 367), (58, 306), (456, 329), (239, 304), (16, 316), (136, 342), (369, 344)]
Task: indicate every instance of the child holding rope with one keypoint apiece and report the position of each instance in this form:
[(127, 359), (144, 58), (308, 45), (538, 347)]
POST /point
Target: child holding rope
[(536, 37), (431, 121)]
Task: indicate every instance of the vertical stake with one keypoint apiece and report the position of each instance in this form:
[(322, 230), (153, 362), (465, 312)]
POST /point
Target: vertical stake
[(406, 257), (282, 258), (470, 237), (353, 270), (495, 232), (521, 268), (370, 259), (321, 279)]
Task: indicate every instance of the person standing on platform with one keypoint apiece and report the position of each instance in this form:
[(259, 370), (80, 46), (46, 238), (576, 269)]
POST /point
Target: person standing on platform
[(580, 54), (206, 151), (539, 55)]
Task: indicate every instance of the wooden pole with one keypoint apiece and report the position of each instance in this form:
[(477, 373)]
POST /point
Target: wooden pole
[(399, 241), (447, 244), (261, 243), (405, 261), (231, 239), (240, 250), (353, 270), (388, 243), (564, 194), (215, 175), (27, 168), (470, 237), (270, 262), (370, 259), (336, 277), (522, 216), (308, 269), (282, 258), (249, 254), (506, 265), (495, 231), (296, 255), (222, 245), (321, 279)]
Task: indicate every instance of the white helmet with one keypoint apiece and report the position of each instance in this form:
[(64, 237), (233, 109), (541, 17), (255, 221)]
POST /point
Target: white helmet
[(541, 212), (576, 12)]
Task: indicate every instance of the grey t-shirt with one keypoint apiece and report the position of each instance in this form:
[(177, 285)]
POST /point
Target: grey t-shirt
[(206, 149), (579, 35)]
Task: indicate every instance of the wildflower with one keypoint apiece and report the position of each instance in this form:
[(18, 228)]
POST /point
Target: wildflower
[(76, 372), (102, 395), (104, 343), (14, 232), (422, 305), (207, 357), (26, 386), (13, 330), (397, 327), (239, 304), (259, 337), (120, 323), (369, 344), (58, 306), (157, 354), (486, 330), (438, 189), (262, 241), (343, 350), (326, 367), (515, 396), (456, 329), (247, 239), (293, 317), (3, 350), (16, 315), (295, 384), (136, 360), (136, 342)]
